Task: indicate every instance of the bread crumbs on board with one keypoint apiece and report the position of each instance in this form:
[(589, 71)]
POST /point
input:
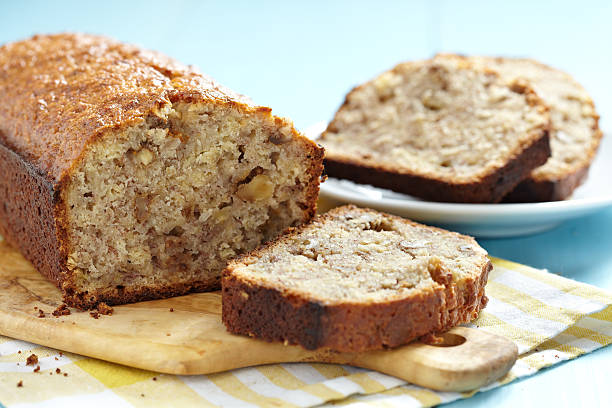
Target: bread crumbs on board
[(105, 309), (32, 360), (62, 310)]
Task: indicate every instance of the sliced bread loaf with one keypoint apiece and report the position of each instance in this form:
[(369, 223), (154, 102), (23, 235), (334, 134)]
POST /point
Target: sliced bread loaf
[(574, 134), (127, 176), (442, 130), (353, 280)]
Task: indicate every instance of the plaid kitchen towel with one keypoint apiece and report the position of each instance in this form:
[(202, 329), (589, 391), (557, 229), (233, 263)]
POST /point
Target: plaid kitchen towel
[(550, 318)]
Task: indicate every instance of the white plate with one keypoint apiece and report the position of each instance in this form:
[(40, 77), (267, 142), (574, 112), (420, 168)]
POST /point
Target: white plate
[(483, 220)]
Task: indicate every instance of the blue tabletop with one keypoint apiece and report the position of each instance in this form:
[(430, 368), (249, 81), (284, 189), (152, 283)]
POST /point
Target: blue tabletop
[(301, 59)]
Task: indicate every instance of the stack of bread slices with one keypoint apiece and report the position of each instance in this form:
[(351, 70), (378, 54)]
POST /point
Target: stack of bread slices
[(466, 129)]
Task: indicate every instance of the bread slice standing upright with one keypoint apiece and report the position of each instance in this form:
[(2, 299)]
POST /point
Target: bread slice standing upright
[(354, 280), (127, 176), (442, 130), (574, 134)]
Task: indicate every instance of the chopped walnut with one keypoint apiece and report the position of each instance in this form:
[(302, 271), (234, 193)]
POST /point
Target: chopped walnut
[(144, 156), (260, 188)]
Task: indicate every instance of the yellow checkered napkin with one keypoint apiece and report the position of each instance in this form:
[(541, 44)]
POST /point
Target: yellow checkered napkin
[(550, 318)]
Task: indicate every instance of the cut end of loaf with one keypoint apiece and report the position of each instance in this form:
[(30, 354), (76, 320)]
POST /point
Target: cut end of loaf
[(158, 208), (356, 280)]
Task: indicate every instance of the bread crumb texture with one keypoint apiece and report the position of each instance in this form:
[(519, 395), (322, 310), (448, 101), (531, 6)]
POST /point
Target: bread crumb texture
[(172, 202), (151, 174), (363, 256)]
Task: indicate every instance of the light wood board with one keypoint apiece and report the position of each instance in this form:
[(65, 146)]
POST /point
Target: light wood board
[(192, 339)]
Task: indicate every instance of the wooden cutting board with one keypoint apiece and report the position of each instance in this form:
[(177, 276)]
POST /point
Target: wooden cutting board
[(192, 340)]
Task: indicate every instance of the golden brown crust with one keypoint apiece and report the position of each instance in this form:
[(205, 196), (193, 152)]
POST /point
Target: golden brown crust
[(274, 315), (123, 295), (29, 211), (316, 154), (66, 91)]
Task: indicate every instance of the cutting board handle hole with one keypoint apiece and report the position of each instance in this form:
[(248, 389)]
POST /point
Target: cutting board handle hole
[(450, 340)]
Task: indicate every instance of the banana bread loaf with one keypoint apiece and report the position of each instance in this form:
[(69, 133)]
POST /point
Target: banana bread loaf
[(126, 176), (441, 129), (574, 134), (354, 280)]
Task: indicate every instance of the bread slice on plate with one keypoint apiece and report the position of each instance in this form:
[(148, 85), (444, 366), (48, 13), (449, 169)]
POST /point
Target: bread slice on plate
[(353, 280), (442, 130), (127, 176), (574, 134)]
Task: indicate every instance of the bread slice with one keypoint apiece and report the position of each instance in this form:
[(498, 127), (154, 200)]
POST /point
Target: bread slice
[(442, 130), (354, 280), (127, 176), (574, 134)]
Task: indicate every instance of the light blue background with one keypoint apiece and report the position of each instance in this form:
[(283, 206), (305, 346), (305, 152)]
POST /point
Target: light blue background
[(301, 58)]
